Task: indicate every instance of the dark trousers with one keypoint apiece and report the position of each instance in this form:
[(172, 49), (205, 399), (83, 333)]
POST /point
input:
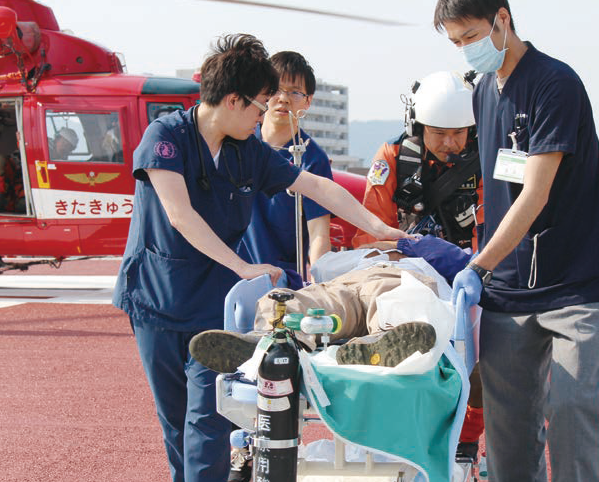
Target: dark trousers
[(195, 435), (537, 366)]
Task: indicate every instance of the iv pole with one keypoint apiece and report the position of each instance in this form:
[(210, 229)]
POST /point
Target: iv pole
[(297, 150)]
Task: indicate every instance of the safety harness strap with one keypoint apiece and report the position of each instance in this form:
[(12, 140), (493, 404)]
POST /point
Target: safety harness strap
[(449, 181), (407, 161)]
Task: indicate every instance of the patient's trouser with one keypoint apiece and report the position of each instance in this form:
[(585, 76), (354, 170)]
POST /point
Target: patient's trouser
[(352, 296), (534, 362)]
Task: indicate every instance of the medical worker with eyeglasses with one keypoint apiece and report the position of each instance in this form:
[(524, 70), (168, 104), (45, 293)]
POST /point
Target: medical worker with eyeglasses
[(197, 173)]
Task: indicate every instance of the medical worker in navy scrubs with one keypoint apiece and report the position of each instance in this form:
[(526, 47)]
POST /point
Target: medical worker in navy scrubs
[(197, 173), (538, 267), (270, 237)]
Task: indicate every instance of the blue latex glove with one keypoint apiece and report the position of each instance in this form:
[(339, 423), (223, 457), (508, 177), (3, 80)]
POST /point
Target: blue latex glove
[(470, 282)]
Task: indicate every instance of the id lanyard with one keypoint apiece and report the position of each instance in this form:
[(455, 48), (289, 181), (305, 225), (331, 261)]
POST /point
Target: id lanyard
[(511, 163)]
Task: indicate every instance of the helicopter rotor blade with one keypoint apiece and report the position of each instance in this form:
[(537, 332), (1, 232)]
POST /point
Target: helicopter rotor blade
[(317, 12)]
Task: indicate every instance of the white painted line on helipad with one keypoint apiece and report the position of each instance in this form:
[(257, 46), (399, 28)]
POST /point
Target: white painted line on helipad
[(57, 282)]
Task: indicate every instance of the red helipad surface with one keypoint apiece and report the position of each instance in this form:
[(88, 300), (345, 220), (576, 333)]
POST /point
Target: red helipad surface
[(74, 403)]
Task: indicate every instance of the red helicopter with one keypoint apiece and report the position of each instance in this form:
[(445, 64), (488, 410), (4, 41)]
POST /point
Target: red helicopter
[(70, 118)]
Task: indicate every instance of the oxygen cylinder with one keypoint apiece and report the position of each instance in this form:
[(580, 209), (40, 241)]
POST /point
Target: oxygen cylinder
[(275, 455)]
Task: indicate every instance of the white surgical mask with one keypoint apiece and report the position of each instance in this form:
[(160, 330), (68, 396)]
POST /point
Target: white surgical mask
[(482, 55)]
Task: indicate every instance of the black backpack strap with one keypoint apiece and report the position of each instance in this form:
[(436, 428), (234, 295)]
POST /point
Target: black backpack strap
[(451, 180)]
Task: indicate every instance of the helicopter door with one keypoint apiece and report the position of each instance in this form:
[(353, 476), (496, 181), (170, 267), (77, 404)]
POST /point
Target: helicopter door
[(83, 174), (15, 194)]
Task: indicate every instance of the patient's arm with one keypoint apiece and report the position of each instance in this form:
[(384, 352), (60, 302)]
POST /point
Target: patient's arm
[(381, 245), (389, 246)]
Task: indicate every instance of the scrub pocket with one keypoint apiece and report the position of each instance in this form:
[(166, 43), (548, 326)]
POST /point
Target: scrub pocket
[(164, 285), (543, 259), (239, 209)]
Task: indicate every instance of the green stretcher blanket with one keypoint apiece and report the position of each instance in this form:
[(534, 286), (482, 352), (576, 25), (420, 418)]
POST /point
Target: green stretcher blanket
[(408, 416)]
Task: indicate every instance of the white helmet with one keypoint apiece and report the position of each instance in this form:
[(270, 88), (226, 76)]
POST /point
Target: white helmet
[(442, 99), (69, 135)]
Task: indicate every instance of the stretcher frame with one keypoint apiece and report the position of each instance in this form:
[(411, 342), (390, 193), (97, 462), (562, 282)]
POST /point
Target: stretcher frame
[(236, 400)]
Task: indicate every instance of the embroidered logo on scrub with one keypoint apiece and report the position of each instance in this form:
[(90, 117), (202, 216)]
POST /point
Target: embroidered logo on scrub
[(165, 149), (379, 171)]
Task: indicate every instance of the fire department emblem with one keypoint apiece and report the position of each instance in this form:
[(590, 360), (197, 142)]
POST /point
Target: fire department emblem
[(378, 173)]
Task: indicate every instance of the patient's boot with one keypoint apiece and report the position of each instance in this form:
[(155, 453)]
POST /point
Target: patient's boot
[(388, 348), (223, 351)]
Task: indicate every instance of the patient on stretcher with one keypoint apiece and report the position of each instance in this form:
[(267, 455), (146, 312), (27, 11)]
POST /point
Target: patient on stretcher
[(352, 296), (351, 291)]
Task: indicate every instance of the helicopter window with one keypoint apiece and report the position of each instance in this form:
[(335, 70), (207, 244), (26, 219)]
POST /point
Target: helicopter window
[(77, 136), (158, 109)]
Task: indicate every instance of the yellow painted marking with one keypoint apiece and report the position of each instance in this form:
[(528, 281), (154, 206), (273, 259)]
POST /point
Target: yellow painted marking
[(43, 179)]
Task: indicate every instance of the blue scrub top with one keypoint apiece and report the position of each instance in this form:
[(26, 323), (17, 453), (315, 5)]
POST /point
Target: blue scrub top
[(558, 118), (163, 279), (270, 237)]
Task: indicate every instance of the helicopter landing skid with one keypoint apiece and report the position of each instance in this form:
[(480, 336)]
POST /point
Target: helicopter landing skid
[(24, 265)]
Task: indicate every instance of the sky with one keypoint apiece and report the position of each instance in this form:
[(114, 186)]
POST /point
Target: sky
[(378, 63)]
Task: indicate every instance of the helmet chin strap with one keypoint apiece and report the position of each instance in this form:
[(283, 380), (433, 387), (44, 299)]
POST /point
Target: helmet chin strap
[(430, 156), (467, 154)]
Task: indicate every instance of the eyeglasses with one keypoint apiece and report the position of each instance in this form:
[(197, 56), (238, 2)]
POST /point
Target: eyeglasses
[(263, 108), (294, 95)]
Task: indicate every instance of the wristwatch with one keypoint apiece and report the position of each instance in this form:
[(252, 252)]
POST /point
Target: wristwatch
[(484, 274)]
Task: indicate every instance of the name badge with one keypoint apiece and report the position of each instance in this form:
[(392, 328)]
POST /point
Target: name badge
[(510, 166)]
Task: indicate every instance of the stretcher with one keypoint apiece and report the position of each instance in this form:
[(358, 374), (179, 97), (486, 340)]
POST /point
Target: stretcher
[(236, 400)]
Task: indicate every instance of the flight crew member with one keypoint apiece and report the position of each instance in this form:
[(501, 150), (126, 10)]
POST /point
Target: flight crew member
[(12, 194), (65, 141), (6, 173), (427, 181), (197, 173), (270, 237), (538, 267)]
